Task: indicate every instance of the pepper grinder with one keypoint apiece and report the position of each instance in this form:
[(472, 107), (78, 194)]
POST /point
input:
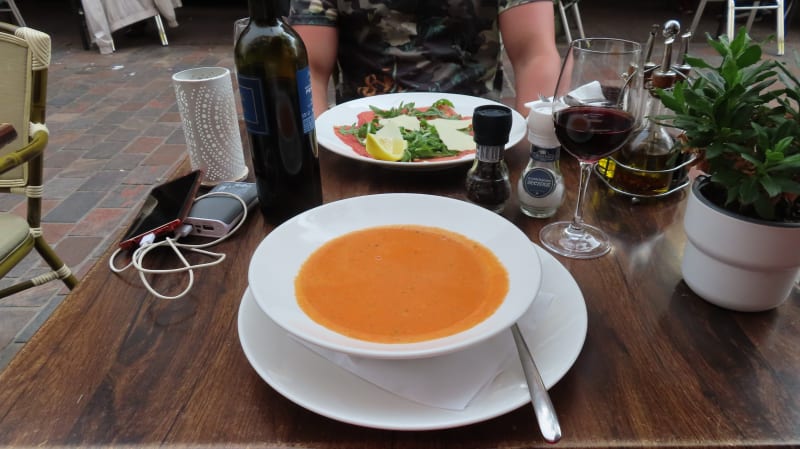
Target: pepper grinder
[(487, 180)]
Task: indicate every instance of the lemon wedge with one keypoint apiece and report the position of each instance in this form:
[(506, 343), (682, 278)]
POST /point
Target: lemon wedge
[(385, 148)]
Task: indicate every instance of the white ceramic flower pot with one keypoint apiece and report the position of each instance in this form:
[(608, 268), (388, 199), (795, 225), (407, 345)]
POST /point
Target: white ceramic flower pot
[(738, 263)]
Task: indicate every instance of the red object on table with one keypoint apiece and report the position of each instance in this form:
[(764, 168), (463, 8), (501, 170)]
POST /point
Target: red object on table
[(7, 134)]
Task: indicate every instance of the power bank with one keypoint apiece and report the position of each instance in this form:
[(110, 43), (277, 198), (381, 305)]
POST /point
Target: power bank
[(215, 215)]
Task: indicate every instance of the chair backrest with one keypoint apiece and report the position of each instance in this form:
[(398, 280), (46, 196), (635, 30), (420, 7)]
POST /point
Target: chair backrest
[(15, 87), (23, 89)]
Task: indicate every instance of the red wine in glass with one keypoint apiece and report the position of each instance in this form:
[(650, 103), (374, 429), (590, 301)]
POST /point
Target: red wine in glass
[(595, 109), (591, 133)]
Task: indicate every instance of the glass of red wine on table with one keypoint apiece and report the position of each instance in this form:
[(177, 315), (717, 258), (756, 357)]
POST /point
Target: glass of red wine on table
[(595, 110)]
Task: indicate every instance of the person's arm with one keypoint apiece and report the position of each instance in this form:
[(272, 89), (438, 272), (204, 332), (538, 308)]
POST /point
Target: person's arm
[(321, 44), (528, 33)]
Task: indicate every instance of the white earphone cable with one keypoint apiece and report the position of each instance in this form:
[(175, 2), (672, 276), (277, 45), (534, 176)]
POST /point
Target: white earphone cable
[(147, 244)]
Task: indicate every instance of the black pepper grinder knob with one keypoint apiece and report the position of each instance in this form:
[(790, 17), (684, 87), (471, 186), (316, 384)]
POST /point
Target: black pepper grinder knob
[(491, 125), (487, 180)]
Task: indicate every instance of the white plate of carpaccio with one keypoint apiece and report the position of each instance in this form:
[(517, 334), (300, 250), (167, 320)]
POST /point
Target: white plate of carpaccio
[(331, 124)]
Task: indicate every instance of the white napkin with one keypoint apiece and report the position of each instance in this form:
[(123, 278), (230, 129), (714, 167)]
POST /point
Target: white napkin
[(589, 91), (448, 381)]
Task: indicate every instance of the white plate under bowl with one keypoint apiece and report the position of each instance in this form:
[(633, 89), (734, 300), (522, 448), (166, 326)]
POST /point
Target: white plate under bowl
[(316, 384), (278, 259), (347, 114)]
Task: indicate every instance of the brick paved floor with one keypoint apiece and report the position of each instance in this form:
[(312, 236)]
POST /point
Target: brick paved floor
[(115, 129)]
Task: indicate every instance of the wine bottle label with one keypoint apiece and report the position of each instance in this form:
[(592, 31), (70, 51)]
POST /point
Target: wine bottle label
[(306, 101), (254, 110), (253, 104), (539, 182)]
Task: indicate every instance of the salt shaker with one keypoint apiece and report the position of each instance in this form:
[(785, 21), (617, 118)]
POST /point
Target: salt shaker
[(541, 186), (487, 180)]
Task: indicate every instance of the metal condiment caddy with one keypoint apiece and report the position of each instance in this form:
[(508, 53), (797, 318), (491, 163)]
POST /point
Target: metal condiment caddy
[(650, 165)]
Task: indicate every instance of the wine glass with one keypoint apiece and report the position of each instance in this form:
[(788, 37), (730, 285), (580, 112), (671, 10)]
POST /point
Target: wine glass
[(595, 109)]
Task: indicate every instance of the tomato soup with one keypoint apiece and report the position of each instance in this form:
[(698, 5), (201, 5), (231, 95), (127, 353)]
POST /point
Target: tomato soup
[(401, 284)]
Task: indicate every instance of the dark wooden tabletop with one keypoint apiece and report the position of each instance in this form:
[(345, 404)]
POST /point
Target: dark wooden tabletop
[(660, 367)]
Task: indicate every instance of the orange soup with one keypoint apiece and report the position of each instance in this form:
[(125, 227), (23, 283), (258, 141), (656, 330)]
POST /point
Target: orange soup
[(401, 284)]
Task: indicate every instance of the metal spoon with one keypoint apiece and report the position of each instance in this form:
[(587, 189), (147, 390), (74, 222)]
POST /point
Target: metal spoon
[(540, 399)]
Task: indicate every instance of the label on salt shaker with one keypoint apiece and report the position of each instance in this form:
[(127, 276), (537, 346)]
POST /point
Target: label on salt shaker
[(539, 182), (544, 154)]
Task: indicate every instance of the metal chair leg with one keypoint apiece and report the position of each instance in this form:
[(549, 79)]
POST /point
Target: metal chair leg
[(752, 16), (779, 16), (564, 22), (731, 31), (83, 29), (697, 15), (162, 34), (15, 12), (577, 14)]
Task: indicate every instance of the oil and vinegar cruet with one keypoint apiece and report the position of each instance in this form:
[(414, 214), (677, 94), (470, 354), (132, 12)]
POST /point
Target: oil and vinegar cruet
[(650, 165)]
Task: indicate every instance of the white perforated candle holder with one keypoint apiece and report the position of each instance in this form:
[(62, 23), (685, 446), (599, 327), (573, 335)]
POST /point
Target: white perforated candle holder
[(210, 123)]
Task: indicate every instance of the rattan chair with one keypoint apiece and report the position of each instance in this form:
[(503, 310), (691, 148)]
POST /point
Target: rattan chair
[(23, 89)]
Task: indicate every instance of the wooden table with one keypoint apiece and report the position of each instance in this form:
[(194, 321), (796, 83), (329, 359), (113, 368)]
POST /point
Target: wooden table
[(660, 367)]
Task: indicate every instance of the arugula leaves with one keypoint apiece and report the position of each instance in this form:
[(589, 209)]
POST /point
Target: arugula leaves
[(424, 143)]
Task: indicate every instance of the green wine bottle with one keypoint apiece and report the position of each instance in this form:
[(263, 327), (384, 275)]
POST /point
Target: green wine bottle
[(275, 90)]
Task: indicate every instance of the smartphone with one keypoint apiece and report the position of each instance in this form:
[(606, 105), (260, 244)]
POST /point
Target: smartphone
[(164, 209)]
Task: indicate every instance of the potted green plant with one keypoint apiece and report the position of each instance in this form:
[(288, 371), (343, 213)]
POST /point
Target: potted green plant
[(742, 117)]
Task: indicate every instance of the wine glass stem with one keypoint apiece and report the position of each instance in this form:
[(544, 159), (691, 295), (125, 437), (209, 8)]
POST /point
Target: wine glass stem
[(577, 218)]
